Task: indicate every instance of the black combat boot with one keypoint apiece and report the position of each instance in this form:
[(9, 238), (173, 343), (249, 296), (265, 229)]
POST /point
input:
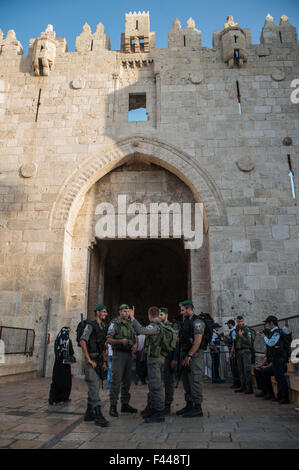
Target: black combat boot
[(99, 419), (156, 417), (239, 390), (194, 412), (89, 414), (249, 391), (167, 410), (113, 411), (260, 395), (126, 408), (268, 397), (146, 412), (185, 409)]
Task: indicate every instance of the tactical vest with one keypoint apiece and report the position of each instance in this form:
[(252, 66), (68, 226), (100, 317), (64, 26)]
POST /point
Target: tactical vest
[(187, 336), (238, 340), (124, 331), (97, 339), (152, 343)]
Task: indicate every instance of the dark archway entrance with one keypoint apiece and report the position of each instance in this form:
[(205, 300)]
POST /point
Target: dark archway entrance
[(141, 273)]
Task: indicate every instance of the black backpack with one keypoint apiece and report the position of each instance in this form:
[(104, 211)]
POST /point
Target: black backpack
[(79, 330), (285, 342), (208, 333)]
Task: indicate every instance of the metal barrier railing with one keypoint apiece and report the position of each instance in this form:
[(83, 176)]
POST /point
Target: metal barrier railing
[(17, 340), (290, 322), (217, 366)]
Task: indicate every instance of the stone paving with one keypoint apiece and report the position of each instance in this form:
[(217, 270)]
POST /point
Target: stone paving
[(230, 421)]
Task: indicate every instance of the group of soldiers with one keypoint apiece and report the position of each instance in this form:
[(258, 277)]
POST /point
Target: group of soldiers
[(122, 335)]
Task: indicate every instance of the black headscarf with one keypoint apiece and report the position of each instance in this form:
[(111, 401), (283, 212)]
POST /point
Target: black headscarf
[(62, 341)]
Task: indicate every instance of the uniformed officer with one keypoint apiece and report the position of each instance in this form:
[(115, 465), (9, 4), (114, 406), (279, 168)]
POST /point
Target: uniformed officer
[(229, 341), (154, 412), (215, 346), (242, 349), (92, 342), (121, 336), (193, 360), (171, 362), (279, 359)]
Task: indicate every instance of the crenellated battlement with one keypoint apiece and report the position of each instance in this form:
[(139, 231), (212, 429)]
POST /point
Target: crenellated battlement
[(233, 40)]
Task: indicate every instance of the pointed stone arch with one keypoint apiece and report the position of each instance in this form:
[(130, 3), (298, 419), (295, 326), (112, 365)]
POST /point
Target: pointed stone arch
[(71, 195)]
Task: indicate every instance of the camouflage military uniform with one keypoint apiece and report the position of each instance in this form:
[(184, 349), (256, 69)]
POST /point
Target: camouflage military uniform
[(121, 361), (192, 376), (155, 365)]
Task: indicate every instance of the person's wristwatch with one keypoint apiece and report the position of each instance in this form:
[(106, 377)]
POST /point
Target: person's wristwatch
[(189, 355)]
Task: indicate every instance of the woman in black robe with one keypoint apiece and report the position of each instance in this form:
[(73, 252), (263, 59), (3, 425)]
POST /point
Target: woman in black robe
[(62, 375)]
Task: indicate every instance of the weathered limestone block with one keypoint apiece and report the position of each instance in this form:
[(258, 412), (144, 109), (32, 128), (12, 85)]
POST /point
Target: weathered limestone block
[(44, 52), (269, 33), (10, 46), (262, 51)]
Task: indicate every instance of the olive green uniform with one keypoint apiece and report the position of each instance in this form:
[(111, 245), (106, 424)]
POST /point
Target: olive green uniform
[(92, 378), (169, 373), (192, 376), (243, 357), (121, 360), (155, 363)]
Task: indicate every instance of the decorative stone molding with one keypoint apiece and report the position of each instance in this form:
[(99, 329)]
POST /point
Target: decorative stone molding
[(10, 46), (136, 62), (245, 164), (278, 75), (287, 141), (230, 23), (28, 170), (44, 52), (71, 195), (196, 77), (78, 83)]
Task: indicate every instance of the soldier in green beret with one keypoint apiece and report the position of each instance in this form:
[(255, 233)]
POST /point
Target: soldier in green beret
[(92, 342), (171, 362), (122, 337), (193, 360)]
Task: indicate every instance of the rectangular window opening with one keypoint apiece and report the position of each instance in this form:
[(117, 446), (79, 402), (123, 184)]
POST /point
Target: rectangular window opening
[(137, 107), (40, 66), (136, 24), (236, 56), (291, 175), (239, 97), (38, 104), (141, 43), (280, 36), (184, 41), (132, 45)]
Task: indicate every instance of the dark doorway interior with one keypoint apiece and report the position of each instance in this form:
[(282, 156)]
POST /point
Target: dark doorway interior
[(141, 273)]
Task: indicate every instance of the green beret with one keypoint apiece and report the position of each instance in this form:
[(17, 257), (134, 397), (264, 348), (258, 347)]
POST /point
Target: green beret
[(185, 303), (163, 309), (100, 307), (123, 306)]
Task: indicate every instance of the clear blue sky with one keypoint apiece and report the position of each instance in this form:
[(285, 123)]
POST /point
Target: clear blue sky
[(29, 17)]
